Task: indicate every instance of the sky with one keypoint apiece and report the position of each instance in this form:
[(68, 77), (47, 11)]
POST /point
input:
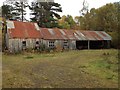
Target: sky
[(72, 7)]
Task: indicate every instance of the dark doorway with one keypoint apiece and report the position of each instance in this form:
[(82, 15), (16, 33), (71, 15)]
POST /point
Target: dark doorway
[(24, 45), (37, 45), (82, 45), (97, 45), (101, 44)]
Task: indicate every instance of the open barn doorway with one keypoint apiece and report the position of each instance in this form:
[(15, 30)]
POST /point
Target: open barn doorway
[(96, 44), (100, 44), (81, 45)]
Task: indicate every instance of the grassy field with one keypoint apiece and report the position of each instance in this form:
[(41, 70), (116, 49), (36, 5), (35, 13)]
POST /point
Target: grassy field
[(73, 69), (0, 59)]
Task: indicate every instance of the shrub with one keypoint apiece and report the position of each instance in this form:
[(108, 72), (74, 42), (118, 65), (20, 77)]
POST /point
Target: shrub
[(42, 47), (58, 48), (115, 38)]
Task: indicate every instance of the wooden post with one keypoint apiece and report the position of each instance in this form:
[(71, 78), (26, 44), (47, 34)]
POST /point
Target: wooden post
[(88, 44), (108, 44)]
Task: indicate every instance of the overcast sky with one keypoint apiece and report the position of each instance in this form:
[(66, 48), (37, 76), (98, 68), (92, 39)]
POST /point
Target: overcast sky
[(72, 7)]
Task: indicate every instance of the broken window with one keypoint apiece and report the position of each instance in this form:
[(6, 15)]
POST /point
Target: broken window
[(65, 44), (37, 45), (23, 45), (51, 44)]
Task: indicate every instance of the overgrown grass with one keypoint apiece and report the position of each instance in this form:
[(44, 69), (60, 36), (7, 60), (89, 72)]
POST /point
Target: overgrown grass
[(105, 67), (62, 69)]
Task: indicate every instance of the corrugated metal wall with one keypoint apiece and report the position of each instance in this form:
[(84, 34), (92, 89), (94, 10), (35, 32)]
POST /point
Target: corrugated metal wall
[(15, 45)]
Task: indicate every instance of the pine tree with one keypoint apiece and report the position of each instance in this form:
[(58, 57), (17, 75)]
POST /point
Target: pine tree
[(7, 11), (45, 13), (18, 8)]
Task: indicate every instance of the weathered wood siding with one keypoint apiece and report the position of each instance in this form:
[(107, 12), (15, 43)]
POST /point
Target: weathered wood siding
[(15, 45), (71, 43)]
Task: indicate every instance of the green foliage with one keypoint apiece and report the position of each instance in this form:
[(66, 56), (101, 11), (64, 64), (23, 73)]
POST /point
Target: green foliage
[(45, 13), (14, 10), (7, 11), (109, 66), (29, 57), (48, 66), (67, 22), (115, 39), (19, 10), (42, 47), (104, 18)]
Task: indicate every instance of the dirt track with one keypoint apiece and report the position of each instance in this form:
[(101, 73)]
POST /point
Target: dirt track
[(55, 71)]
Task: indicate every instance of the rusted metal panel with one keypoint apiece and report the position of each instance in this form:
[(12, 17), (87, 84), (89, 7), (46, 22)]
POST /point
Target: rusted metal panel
[(63, 33), (87, 35), (104, 35), (19, 29), (80, 35), (77, 37), (28, 30), (70, 34), (74, 34), (95, 35), (51, 31)]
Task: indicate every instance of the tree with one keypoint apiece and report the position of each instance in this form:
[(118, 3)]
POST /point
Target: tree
[(84, 10), (93, 19), (18, 8), (105, 18), (45, 13), (70, 21), (63, 23), (84, 16), (67, 22), (7, 11)]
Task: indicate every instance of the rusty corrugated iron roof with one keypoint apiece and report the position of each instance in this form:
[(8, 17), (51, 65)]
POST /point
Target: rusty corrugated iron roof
[(19, 29)]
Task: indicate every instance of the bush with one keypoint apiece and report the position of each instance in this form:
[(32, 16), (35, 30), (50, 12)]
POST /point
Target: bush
[(42, 47), (29, 50), (58, 48), (115, 38)]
